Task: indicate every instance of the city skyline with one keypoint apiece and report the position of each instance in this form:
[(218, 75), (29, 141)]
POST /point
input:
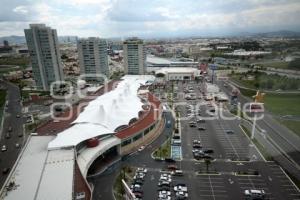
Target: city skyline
[(113, 18)]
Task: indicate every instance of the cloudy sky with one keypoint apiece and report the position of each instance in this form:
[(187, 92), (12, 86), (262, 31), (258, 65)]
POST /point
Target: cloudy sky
[(150, 18)]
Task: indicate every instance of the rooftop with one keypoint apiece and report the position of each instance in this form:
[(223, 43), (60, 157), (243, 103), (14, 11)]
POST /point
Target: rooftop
[(104, 114), (177, 70), (153, 60), (38, 169)]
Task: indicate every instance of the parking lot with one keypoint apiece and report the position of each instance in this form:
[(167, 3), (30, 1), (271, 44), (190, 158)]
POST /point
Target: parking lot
[(226, 185), (233, 152)]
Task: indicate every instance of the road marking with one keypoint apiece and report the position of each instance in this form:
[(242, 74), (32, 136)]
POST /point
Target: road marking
[(289, 179), (212, 190), (253, 143)]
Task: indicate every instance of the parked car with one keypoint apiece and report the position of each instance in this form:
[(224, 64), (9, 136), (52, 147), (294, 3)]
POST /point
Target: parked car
[(206, 156), (181, 194), (7, 135), (5, 170), (143, 170), (255, 194), (172, 167), (208, 151), (229, 131), (192, 124), (170, 160), (141, 148), (200, 120), (201, 128), (197, 146), (138, 182), (164, 184), (177, 173), (196, 142), (180, 188), (4, 148), (135, 186)]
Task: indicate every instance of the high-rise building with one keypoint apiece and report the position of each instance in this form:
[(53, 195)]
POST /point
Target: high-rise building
[(92, 54), (5, 43), (134, 56), (44, 53)]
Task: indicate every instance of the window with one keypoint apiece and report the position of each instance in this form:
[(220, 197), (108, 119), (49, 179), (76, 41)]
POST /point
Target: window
[(146, 131), (126, 142), (135, 138)]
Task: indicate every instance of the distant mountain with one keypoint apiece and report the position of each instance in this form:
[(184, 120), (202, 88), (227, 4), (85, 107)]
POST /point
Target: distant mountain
[(281, 33), (13, 39)]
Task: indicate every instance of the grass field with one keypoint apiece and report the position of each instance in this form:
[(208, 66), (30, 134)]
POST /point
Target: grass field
[(280, 105), (283, 104), (293, 125), (263, 81), (2, 102), (164, 151), (275, 64), (2, 97), (20, 61)]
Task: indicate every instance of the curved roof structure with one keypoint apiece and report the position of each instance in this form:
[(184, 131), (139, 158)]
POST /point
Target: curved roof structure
[(104, 114)]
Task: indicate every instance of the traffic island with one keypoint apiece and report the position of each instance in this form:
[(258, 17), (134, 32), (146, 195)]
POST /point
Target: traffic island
[(247, 173), (126, 174), (164, 151)]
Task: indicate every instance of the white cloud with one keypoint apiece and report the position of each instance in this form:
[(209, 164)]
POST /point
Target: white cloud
[(20, 10), (110, 18)]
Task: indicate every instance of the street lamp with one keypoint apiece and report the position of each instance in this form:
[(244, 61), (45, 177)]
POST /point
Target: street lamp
[(256, 107)]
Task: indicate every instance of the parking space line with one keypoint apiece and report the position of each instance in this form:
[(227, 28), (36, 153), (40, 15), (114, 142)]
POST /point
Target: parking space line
[(212, 190)]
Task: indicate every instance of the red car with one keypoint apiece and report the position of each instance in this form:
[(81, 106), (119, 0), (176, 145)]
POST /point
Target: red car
[(172, 167)]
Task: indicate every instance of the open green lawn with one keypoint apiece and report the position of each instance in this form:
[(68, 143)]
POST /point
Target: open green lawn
[(278, 104), (164, 151), (21, 61), (283, 104), (2, 97), (275, 64), (263, 81), (293, 125), (2, 102)]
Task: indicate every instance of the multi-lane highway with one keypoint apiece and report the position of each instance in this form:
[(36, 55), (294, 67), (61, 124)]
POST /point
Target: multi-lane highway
[(12, 117), (287, 140)]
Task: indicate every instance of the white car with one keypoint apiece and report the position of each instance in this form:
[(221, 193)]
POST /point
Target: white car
[(165, 175), (141, 148), (168, 193), (181, 194), (139, 176), (180, 188), (135, 186), (164, 197), (143, 170), (255, 194), (163, 178), (3, 148)]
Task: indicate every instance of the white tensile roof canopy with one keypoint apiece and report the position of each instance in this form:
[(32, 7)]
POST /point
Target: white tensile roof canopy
[(104, 114)]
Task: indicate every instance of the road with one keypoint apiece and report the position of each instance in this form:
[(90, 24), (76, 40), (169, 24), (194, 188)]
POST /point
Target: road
[(283, 137), (103, 183), (14, 108)]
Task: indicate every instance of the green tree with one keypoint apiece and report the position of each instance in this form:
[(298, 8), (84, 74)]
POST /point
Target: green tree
[(207, 163)]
